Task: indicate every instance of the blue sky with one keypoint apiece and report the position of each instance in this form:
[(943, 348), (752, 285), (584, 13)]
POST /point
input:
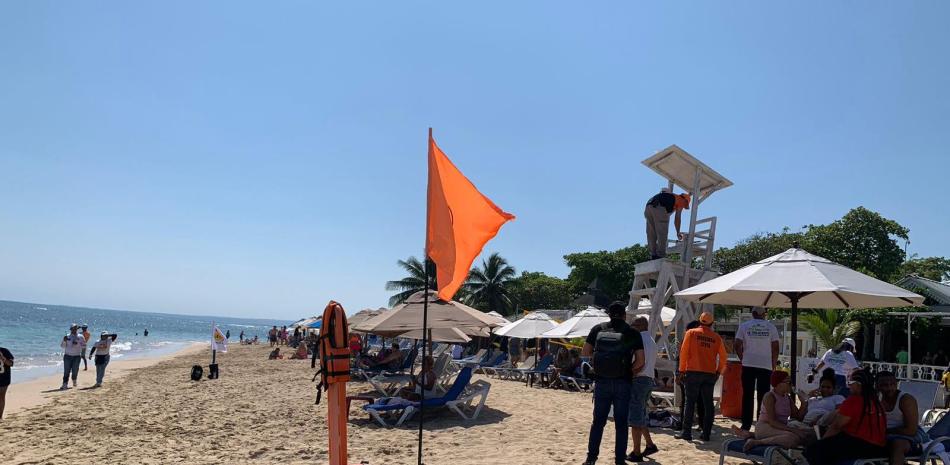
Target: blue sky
[(251, 159)]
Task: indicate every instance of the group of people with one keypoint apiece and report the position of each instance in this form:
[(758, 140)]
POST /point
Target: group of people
[(74, 347)]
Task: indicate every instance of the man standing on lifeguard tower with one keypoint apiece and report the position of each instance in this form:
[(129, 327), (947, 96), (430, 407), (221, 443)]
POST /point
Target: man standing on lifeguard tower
[(657, 213)]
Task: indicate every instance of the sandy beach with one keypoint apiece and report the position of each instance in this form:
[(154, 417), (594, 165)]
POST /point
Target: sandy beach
[(263, 411)]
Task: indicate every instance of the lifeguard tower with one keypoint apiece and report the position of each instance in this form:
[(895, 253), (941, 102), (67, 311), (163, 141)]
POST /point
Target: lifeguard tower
[(659, 279)]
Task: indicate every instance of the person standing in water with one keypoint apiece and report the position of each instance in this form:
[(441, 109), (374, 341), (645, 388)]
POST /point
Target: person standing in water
[(145, 333), (102, 358)]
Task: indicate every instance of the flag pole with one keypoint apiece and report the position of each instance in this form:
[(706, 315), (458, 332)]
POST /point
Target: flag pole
[(425, 310)]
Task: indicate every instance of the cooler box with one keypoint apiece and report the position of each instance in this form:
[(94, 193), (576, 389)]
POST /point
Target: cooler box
[(730, 404)]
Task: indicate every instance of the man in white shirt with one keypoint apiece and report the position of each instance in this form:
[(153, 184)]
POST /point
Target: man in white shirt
[(643, 383), (757, 346), (74, 347)]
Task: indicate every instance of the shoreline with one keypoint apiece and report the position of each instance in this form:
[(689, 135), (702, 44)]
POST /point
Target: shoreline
[(40, 391)]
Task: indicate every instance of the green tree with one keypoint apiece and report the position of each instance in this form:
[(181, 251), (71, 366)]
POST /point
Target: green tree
[(935, 268), (615, 270), (829, 327), (412, 283), (862, 240), (534, 290), (754, 248), (485, 288)]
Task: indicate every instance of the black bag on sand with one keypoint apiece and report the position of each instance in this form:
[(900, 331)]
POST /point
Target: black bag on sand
[(196, 373)]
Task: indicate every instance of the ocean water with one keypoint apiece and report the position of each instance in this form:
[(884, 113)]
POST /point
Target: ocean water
[(32, 332)]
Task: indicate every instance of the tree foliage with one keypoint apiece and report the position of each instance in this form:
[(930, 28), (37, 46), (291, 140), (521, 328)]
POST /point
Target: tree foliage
[(935, 268), (414, 282), (614, 269), (830, 327), (862, 240), (535, 290), (486, 287)]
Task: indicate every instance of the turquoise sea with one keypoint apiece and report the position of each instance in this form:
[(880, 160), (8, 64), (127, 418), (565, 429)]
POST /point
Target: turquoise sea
[(33, 332)]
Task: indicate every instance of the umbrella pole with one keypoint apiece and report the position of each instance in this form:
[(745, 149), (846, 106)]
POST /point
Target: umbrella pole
[(425, 333), (794, 346)]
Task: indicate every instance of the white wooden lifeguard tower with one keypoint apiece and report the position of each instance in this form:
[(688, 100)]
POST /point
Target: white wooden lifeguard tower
[(659, 279)]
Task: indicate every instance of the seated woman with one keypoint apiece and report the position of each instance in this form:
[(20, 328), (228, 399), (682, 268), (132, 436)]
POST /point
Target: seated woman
[(422, 382), (772, 427), (904, 436), (301, 353), (819, 409), (857, 430), (388, 359), (275, 354), (564, 362)]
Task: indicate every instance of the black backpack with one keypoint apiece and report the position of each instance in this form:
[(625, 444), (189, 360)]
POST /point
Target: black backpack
[(611, 355), (196, 373)]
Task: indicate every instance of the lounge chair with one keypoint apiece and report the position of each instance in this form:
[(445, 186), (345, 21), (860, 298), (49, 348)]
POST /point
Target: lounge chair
[(757, 455), (577, 382), (461, 397), (388, 384), (924, 391), (541, 371), (367, 373), (480, 357), (499, 359)]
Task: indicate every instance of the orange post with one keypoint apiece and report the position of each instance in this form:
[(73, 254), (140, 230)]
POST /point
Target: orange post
[(731, 402), (336, 419)]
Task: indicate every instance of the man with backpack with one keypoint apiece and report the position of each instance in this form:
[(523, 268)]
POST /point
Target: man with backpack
[(702, 359), (617, 354)]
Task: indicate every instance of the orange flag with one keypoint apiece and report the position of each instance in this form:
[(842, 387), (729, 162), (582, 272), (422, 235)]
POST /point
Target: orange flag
[(460, 221)]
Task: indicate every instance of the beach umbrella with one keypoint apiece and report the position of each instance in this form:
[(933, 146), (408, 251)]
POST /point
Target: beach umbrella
[(531, 326), (315, 325), (500, 318), (441, 314), (645, 307), (579, 325), (304, 322), (453, 335), (364, 315), (796, 279)]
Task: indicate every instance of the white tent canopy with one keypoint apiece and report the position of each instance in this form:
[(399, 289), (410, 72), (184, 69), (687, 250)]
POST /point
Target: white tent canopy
[(305, 322), (579, 325), (531, 326)]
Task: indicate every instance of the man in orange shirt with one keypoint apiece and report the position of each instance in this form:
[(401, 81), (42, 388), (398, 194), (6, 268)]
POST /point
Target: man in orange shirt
[(657, 213), (702, 359)]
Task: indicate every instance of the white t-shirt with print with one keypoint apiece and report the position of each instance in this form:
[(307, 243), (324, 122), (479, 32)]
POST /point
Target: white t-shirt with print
[(843, 363), (757, 337)]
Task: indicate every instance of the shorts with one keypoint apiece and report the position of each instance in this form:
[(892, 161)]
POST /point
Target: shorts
[(916, 442), (639, 394), (273, 338)]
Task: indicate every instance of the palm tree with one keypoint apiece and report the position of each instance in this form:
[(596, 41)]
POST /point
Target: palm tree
[(413, 283), (485, 286), (830, 327)]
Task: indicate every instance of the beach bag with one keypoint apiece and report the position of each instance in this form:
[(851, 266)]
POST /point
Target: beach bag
[(610, 354), (196, 373), (333, 348)]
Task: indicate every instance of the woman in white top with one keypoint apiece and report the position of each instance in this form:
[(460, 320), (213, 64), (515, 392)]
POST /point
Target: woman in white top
[(904, 437), (826, 402), (103, 345), (842, 360)]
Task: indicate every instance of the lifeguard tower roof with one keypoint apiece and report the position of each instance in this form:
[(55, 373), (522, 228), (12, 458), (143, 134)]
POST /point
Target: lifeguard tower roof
[(679, 167)]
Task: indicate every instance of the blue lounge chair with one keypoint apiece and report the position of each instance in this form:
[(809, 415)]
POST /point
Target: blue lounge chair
[(499, 359), (757, 455), (542, 370), (462, 396)]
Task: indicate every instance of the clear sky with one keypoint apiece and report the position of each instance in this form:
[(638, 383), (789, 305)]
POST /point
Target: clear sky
[(258, 159)]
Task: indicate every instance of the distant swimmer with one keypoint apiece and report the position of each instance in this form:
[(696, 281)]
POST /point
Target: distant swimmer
[(145, 333), (6, 363)]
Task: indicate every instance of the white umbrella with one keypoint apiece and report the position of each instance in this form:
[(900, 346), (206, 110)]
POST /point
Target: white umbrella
[(408, 316), (797, 279), (500, 318), (645, 307), (439, 335), (305, 322), (531, 326), (579, 325)]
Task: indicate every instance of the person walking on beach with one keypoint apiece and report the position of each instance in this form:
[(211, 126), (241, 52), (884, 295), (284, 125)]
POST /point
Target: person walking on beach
[(757, 346), (272, 336), (86, 335), (6, 366), (702, 359), (241, 336), (74, 348), (657, 213), (102, 358), (643, 383), (617, 351)]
